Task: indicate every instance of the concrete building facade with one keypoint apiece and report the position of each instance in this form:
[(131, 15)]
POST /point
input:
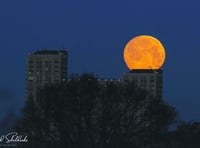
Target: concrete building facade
[(149, 80), (45, 67)]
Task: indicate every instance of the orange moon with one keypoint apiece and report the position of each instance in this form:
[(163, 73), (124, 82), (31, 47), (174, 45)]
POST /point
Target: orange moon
[(144, 52)]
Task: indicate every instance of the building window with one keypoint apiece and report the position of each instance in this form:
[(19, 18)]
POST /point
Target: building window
[(31, 61), (152, 81), (30, 78)]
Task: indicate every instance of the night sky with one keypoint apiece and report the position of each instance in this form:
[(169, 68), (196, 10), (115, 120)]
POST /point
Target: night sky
[(95, 33)]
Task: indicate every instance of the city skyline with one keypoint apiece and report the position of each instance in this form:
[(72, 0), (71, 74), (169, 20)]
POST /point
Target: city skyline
[(95, 34)]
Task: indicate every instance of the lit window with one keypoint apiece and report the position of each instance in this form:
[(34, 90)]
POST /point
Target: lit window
[(30, 78)]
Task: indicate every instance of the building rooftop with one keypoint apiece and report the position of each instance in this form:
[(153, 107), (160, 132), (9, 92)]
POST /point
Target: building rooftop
[(45, 51), (146, 71)]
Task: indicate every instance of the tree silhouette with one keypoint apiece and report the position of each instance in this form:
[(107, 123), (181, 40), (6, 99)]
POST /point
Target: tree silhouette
[(88, 113), (187, 135)]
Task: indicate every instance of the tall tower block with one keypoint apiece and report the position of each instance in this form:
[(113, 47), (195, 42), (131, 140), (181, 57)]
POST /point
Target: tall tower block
[(149, 80), (45, 67)]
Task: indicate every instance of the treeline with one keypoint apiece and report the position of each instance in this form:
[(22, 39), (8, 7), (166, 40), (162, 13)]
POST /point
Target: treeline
[(186, 135), (88, 113)]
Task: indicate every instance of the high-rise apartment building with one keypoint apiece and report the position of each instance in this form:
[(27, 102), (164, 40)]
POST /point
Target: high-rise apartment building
[(45, 67), (149, 80)]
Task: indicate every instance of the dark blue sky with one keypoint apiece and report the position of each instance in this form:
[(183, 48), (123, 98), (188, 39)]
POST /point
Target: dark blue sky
[(95, 33)]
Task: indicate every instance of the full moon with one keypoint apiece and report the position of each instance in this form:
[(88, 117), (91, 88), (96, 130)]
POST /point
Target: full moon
[(144, 52)]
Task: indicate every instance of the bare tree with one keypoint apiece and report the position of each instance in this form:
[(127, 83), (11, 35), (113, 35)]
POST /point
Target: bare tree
[(84, 113)]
